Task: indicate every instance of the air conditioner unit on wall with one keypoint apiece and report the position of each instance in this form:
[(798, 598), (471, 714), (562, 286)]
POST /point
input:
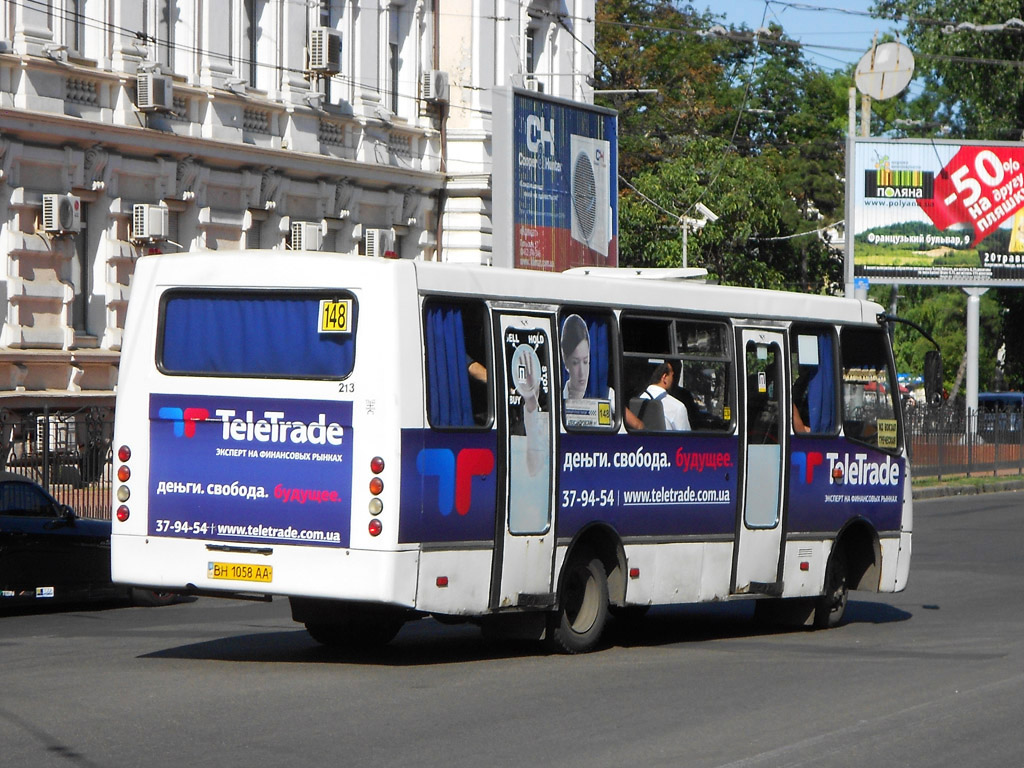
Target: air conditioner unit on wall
[(590, 190), (324, 50), (154, 93), (434, 85), (150, 222), (306, 236), (62, 213), (380, 242)]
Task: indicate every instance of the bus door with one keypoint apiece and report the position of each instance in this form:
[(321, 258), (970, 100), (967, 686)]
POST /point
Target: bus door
[(758, 552), (524, 541)]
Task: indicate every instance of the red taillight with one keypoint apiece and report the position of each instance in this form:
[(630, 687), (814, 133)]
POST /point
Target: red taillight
[(376, 486), (376, 465), (634, 573), (122, 513), (375, 527), (123, 473), (124, 453), (442, 581)]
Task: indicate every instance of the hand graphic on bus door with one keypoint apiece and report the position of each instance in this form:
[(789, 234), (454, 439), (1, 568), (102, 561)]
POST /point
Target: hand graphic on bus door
[(529, 431), (526, 376)]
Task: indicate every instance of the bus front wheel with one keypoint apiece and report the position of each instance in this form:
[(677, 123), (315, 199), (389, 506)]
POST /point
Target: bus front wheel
[(831, 606), (582, 613)]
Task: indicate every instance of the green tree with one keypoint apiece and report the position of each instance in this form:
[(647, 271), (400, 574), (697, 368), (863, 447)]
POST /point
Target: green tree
[(752, 131), (965, 85), (754, 210), (943, 312), (642, 46)]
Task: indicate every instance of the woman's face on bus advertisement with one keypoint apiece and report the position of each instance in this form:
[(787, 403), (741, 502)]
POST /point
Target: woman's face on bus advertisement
[(578, 365)]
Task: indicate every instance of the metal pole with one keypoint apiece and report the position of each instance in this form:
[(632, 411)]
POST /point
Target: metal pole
[(851, 130), (686, 228), (46, 447), (973, 315)]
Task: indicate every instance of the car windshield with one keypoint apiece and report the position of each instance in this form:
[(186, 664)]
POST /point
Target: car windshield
[(26, 500)]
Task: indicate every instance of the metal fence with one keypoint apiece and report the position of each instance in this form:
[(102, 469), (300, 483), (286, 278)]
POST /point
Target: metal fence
[(946, 441), (68, 452)]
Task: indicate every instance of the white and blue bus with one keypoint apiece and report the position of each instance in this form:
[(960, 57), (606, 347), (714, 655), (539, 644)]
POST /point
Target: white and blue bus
[(384, 440)]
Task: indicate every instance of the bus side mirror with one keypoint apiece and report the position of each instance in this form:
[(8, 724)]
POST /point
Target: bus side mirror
[(933, 377)]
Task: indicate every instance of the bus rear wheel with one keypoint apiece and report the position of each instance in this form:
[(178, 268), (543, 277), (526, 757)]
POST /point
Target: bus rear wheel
[(831, 606), (582, 613)]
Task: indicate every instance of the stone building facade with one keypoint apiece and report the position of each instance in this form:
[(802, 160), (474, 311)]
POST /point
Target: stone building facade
[(135, 127)]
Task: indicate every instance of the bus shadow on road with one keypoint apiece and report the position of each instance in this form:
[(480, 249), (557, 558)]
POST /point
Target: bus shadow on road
[(729, 620), (428, 642), (419, 643)]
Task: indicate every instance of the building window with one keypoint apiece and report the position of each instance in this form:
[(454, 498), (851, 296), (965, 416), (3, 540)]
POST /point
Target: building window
[(166, 17), (74, 26), (330, 14), (394, 58), (81, 279), (532, 57), (251, 32)]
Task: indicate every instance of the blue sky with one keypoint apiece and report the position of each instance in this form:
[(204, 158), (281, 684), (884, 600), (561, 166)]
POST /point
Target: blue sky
[(837, 32)]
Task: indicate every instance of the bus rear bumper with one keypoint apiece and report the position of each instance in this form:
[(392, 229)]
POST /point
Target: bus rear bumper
[(189, 565)]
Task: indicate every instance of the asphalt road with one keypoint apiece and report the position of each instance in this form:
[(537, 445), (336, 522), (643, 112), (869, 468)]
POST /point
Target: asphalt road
[(930, 677)]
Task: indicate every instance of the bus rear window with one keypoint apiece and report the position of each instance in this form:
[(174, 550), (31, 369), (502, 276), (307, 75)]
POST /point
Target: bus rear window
[(295, 335)]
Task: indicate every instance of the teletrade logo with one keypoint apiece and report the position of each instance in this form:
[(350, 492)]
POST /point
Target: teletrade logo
[(846, 469), (805, 464), (183, 419), (455, 474), (272, 427)]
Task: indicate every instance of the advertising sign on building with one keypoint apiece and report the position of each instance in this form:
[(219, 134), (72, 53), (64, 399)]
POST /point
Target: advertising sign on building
[(555, 183), (938, 211)]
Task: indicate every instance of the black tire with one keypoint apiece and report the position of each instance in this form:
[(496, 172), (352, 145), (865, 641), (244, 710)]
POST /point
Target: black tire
[(356, 635), (831, 606), (582, 613)]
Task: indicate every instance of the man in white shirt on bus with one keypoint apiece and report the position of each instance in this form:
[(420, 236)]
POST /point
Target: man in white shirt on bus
[(676, 417)]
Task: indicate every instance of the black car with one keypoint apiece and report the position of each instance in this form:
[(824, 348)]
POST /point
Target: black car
[(48, 553)]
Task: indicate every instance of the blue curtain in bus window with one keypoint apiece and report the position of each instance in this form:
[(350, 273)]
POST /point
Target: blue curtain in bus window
[(447, 368), (246, 335), (821, 391), (597, 385)]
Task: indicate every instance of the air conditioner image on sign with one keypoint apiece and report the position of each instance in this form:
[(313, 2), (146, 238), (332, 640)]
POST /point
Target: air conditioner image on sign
[(591, 204)]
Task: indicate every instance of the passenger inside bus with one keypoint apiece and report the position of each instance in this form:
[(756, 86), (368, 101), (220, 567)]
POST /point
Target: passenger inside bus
[(676, 417), (801, 409)]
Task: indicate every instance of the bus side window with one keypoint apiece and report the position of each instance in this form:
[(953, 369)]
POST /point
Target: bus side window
[(457, 364), (705, 373), (869, 388), (587, 370), (646, 342), (812, 366), (701, 358)]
